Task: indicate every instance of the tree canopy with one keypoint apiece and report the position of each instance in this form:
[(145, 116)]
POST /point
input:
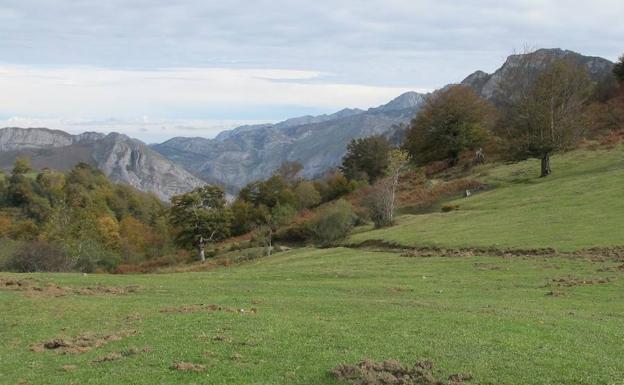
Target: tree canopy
[(548, 117), (452, 121), (366, 158), (200, 216)]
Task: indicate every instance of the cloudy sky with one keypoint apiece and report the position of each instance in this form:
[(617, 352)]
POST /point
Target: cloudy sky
[(159, 68)]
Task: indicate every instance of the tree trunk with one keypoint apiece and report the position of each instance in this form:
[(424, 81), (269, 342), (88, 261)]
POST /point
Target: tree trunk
[(202, 254), (545, 165)]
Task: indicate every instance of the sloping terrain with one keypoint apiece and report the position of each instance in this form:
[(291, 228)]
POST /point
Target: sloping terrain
[(580, 205)]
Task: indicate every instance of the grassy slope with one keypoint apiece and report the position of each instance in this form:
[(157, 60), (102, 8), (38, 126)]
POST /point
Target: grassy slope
[(580, 205), (322, 307)]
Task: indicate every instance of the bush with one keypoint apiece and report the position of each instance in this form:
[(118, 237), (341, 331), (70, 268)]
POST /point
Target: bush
[(7, 248), (332, 223), (449, 208), (378, 204), (39, 256)]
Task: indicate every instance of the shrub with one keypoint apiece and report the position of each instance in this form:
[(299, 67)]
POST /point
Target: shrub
[(378, 208), (332, 223), (39, 256), (449, 208)]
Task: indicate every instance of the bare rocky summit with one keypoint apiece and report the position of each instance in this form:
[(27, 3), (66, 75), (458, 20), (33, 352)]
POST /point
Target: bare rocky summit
[(121, 158)]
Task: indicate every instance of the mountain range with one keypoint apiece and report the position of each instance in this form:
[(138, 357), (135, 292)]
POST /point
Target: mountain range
[(247, 153), (237, 157), (121, 158)]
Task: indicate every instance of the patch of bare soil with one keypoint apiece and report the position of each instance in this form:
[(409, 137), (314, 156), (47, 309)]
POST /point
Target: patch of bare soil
[(188, 367), (618, 268), (69, 368), (81, 343), (488, 266), (207, 308), (595, 254), (571, 281), (35, 288), (392, 372), (114, 356), (434, 251)]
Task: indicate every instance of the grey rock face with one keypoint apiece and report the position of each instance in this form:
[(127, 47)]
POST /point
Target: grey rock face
[(489, 85), (13, 138), (121, 158), (237, 157)]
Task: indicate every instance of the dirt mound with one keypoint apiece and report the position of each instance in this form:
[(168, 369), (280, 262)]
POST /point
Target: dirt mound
[(35, 288), (188, 367), (392, 372), (207, 308), (81, 343)]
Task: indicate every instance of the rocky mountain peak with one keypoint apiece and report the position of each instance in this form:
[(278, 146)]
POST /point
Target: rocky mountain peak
[(407, 100), (488, 85)]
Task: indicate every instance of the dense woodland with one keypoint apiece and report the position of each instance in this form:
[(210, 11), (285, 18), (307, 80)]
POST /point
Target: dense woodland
[(79, 220)]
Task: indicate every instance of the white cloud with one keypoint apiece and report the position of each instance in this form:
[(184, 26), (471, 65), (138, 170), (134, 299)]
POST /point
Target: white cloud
[(147, 129), (240, 59), (100, 92), (155, 104)]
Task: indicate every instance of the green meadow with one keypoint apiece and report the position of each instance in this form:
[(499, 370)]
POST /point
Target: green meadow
[(292, 317)]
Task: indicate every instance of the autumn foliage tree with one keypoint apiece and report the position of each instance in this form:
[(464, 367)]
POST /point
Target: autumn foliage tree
[(200, 217), (452, 121), (366, 158), (548, 117)]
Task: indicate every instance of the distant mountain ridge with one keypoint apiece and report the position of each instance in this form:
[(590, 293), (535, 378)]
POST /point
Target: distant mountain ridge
[(236, 157), (252, 152), (488, 85), (121, 158)]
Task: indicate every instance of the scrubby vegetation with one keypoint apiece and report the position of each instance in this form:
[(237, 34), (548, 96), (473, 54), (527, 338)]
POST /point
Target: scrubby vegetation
[(78, 221), (486, 266), (82, 221)]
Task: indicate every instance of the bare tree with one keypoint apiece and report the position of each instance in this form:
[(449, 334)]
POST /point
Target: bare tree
[(381, 201)]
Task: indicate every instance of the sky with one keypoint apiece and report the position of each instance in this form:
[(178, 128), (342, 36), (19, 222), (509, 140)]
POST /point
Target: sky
[(155, 69)]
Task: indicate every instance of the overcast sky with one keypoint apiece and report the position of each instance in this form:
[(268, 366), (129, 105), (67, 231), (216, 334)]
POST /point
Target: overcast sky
[(159, 68)]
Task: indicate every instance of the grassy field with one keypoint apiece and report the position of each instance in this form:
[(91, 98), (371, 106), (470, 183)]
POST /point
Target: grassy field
[(514, 321), (580, 205), (488, 316)]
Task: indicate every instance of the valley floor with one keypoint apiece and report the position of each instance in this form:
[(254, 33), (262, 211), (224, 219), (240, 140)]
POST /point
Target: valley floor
[(291, 318)]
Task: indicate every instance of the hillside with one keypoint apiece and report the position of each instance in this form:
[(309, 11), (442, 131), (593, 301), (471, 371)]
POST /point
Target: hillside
[(294, 316), (237, 157), (578, 206), (121, 158)]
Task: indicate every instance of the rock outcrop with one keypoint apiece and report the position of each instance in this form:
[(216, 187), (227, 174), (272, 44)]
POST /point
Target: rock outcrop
[(121, 158), (237, 157)]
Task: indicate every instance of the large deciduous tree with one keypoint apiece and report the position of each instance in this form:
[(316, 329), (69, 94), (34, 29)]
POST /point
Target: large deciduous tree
[(452, 121), (200, 217), (547, 117), (366, 158)]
